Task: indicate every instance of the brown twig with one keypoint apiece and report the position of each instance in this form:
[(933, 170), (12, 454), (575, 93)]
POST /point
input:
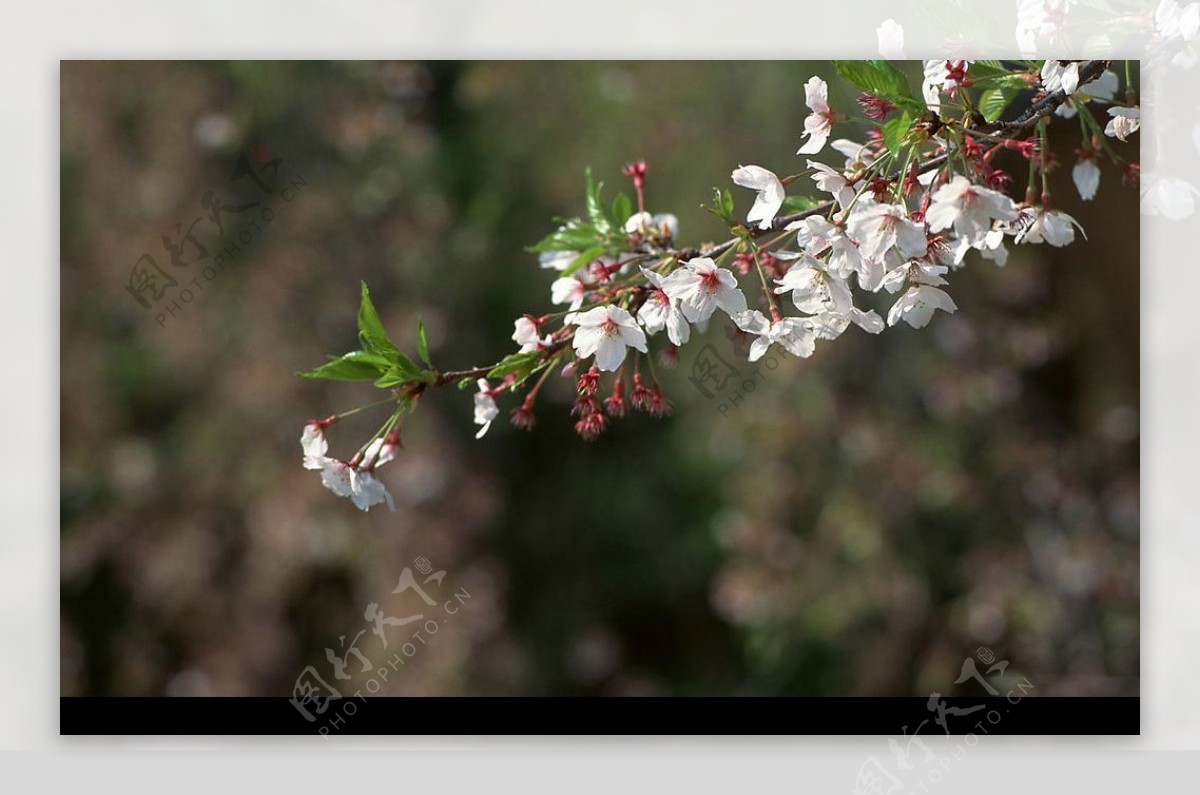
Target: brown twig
[(1088, 71)]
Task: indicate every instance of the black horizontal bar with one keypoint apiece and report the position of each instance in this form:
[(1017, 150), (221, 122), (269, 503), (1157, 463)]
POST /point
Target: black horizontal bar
[(469, 715)]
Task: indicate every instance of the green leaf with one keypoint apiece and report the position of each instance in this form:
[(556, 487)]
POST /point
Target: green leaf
[(574, 235), (797, 204), (722, 206), (422, 344), (370, 329), (993, 102), (514, 363), (622, 209), (392, 378), (354, 366), (876, 77), (519, 365), (895, 130), (585, 258), (595, 207)]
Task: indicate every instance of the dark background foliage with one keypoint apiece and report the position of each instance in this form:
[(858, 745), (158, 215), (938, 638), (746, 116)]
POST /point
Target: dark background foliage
[(856, 525)]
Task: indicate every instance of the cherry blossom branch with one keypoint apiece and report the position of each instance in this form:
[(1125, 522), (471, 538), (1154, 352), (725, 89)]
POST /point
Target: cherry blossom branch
[(905, 211)]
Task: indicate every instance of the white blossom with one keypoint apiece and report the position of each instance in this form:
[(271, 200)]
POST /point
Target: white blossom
[(917, 271), (917, 305), (366, 490), (1177, 26), (701, 288), (378, 453), (819, 124), (814, 289), (525, 334), (829, 326), (832, 182), (793, 334), (1086, 176), (1170, 197), (937, 80), (1060, 76), (314, 445), (891, 40), (854, 152), (661, 225), (660, 311), (1124, 122), (355, 482), (770, 193), (878, 227), (606, 331), (967, 207), (485, 407), (817, 235), (1040, 19), (567, 290), (557, 260), (1102, 89), (1049, 226)]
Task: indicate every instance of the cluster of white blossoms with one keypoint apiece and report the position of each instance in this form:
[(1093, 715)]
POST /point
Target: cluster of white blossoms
[(890, 224), (899, 235), (354, 479)]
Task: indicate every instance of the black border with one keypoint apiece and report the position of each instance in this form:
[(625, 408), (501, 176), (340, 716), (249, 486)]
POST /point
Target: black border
[(477, 715)]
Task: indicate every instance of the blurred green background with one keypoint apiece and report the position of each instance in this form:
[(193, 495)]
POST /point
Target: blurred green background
[(857, 525)]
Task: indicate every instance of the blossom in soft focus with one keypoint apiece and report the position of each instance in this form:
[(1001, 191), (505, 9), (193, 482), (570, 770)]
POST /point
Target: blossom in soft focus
[(606, 331), (1177, 26), (701, 288), (917, 305), (1124, 122), (557, 260), (856, 154), (819, 124), (970, 209), (876, 228), (891, 40), (1170, 197), (1050, 226), (378, 453), (790, 333), (770, 193), (525, 334), (660, 311), (1040, 19), (1086, 175), (314, 445), (366, 490), (567, 290), (485, 407), (661, 225)]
